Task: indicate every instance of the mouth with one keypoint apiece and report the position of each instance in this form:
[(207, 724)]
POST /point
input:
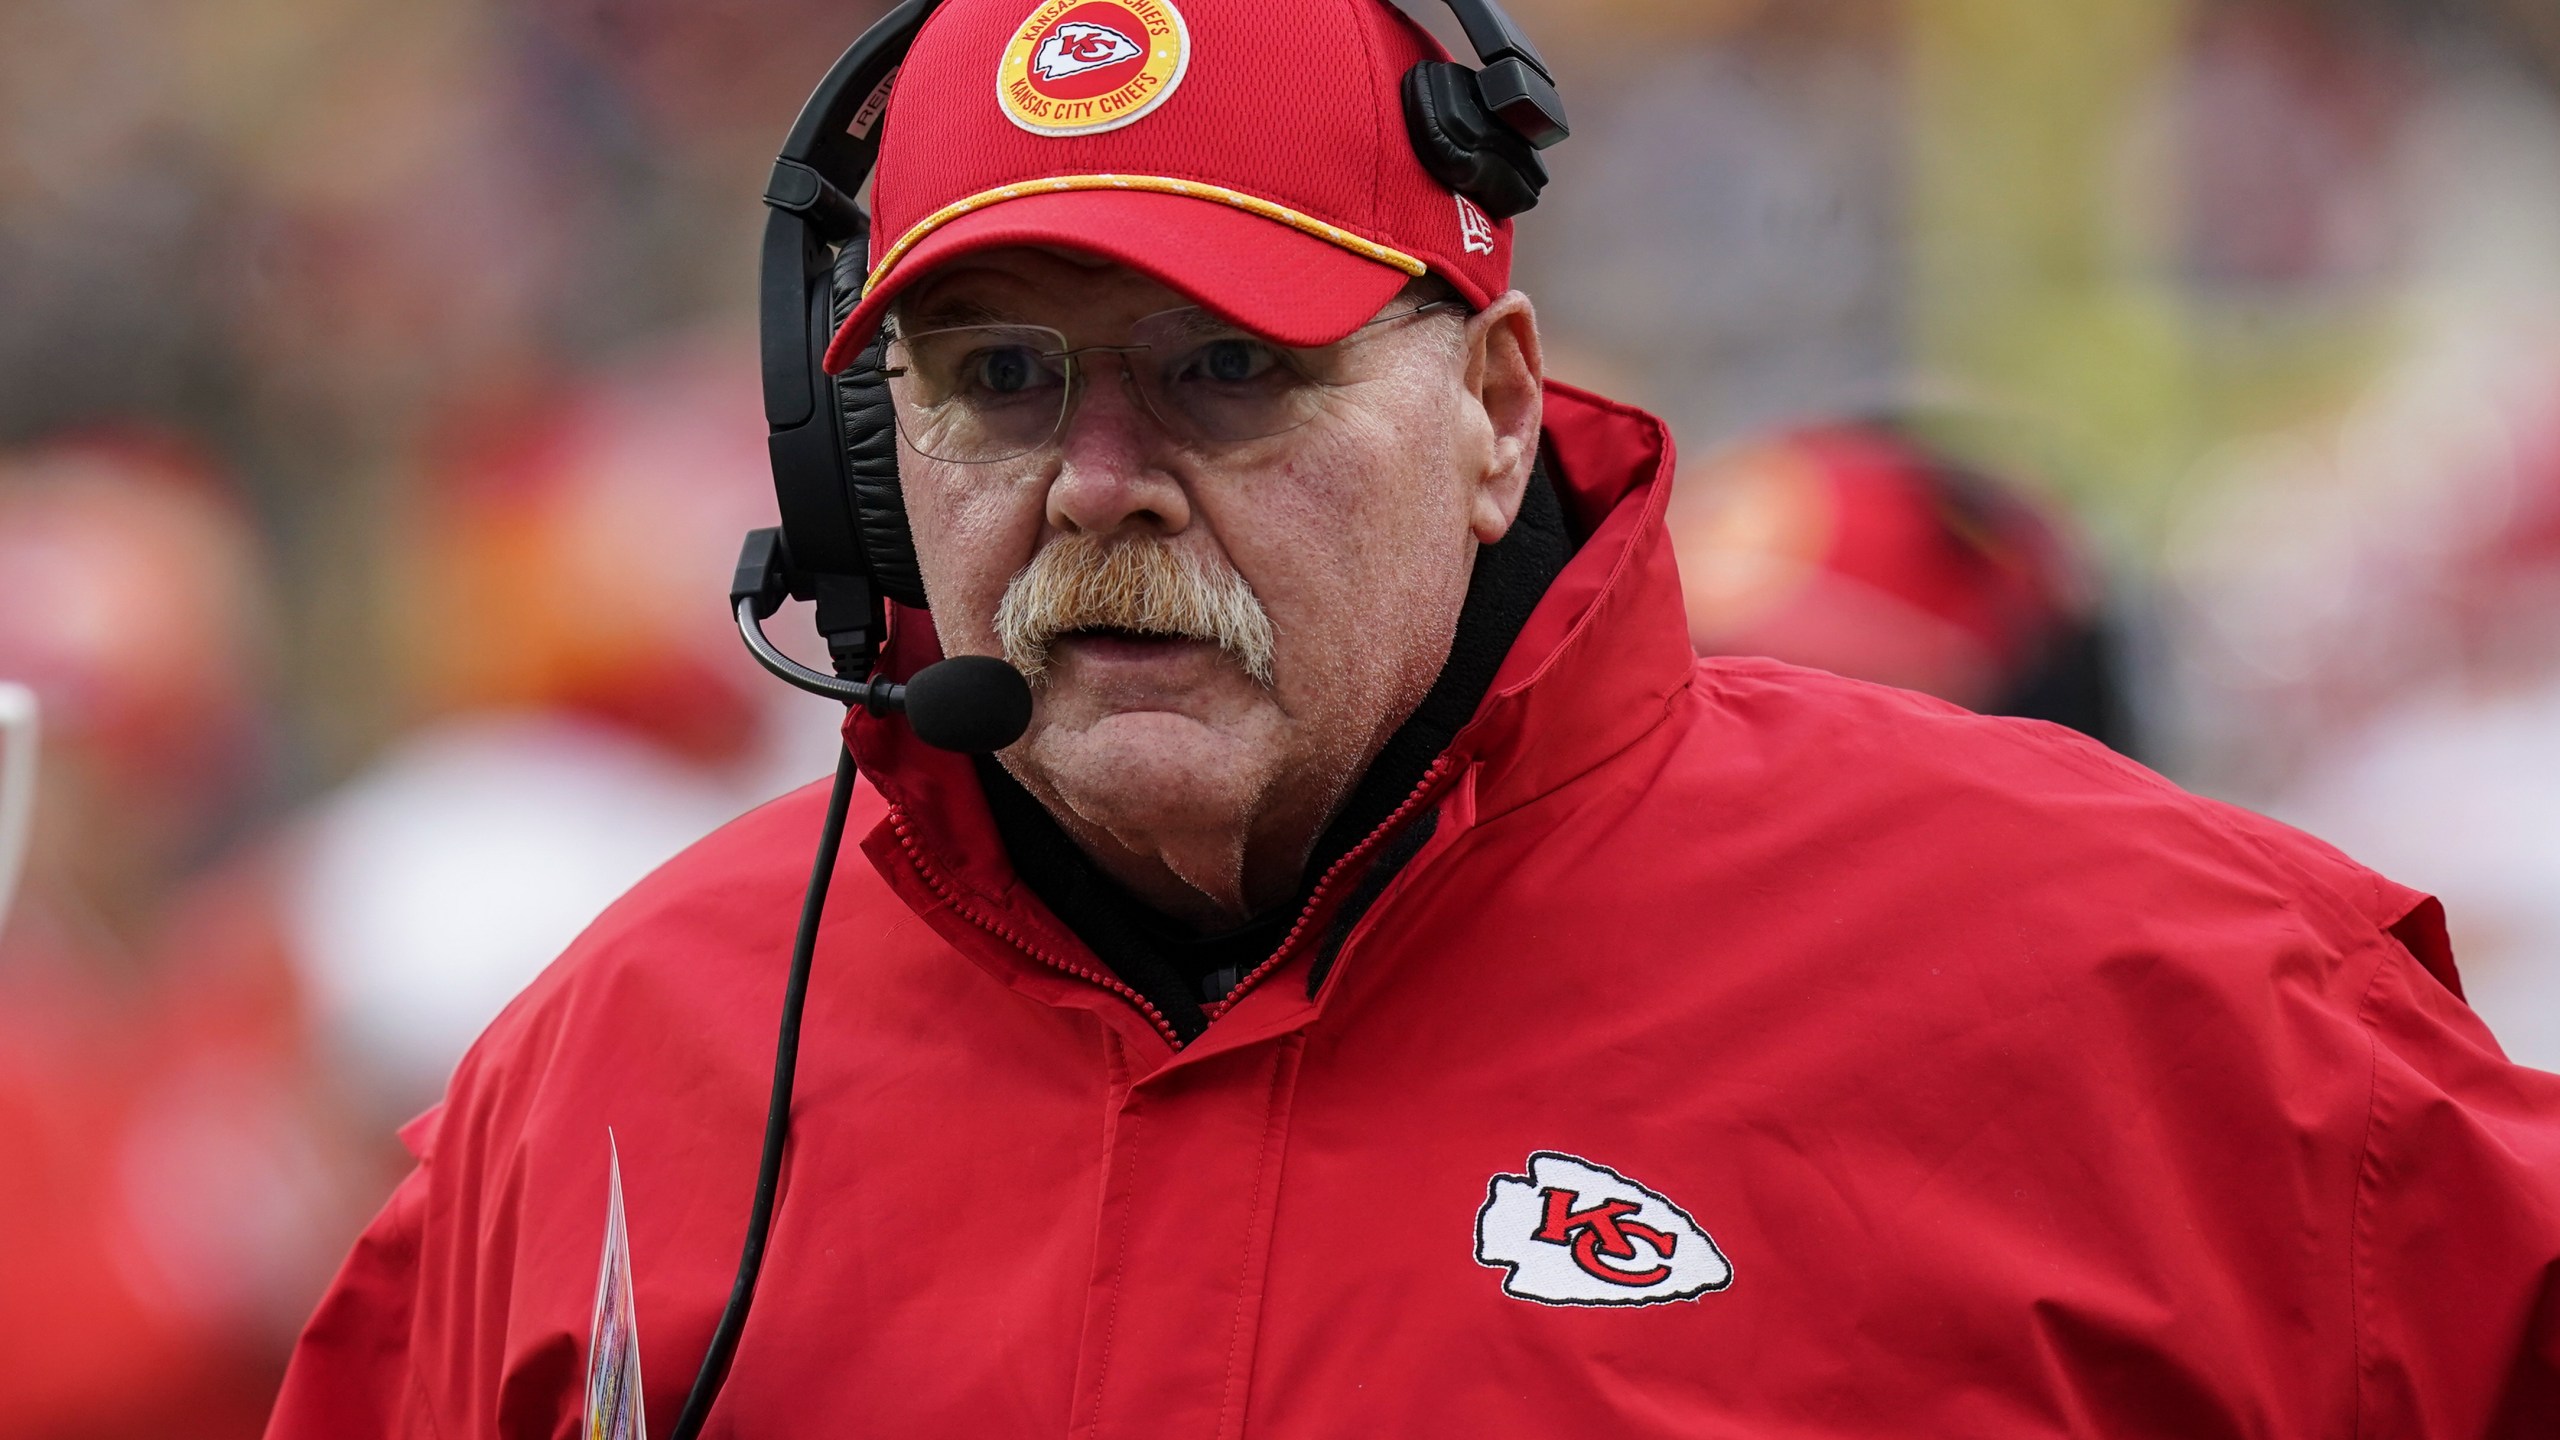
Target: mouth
[(1119, 649), (1118, 637)]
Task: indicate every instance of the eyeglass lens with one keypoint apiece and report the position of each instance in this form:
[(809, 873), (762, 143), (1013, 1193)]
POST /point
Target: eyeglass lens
[(976, 394)]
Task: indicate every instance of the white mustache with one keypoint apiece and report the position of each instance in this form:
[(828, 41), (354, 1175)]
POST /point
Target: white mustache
[(1083, 582)]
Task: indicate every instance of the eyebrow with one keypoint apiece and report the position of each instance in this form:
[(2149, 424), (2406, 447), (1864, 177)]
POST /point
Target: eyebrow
[(944, 314), (1200, 320)]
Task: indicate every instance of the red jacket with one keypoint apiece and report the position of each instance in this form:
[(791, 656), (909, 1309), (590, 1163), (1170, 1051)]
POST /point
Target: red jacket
[(1747, 1052)]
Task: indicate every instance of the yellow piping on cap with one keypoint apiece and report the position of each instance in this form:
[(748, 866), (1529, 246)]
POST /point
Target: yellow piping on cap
[(1157, 184)]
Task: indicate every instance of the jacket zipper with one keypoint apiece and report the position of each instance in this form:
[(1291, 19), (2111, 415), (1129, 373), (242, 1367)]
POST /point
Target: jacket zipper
[(1422, 789), (952, 896)]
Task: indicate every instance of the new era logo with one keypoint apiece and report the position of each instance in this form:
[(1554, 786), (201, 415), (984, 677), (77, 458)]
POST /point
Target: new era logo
[(1571, 1232), (1475, 228)]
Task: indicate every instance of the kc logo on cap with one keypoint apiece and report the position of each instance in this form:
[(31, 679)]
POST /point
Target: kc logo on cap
[(1078, 67)]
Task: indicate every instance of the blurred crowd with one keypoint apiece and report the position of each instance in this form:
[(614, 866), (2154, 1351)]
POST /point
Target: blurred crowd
[(378, 420)]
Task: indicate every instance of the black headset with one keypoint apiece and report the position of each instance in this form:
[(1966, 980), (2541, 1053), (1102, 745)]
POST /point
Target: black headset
[(843, 542)]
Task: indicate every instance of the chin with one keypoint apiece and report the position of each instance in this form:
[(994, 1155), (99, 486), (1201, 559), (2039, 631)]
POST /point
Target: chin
[(1149, 769)]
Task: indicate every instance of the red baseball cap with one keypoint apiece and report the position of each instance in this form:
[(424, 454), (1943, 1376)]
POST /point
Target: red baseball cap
[(1251, 154)]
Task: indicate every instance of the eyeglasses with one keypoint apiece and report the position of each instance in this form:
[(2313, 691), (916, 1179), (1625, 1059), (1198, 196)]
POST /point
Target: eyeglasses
[(977, 394)]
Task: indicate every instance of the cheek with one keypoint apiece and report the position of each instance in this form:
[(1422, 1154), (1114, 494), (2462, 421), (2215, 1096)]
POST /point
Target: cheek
[(1353, 542), (974, 527)]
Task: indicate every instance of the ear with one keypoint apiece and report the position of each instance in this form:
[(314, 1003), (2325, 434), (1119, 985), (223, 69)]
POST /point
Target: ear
[(1506, 374)]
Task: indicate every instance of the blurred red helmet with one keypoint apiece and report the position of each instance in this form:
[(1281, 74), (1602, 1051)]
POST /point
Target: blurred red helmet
[(1854, 548), (131, 600)]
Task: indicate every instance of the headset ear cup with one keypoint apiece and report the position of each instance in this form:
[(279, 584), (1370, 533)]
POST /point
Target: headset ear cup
[(1464, 145), (870, 432)]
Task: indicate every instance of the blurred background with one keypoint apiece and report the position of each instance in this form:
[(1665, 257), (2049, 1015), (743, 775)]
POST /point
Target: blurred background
[(378, 420)]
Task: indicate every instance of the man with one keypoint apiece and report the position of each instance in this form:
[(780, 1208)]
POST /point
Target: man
[(1394, 988)]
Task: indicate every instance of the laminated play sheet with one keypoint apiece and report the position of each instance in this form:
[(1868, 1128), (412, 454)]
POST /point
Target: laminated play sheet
[(614, 1407)]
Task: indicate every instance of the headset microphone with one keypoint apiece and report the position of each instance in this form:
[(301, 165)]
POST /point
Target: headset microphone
[(975, 704)]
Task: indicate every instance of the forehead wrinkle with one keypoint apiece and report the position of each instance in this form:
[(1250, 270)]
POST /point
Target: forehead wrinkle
[(1058, 290), (948, 311), (1188, 320)]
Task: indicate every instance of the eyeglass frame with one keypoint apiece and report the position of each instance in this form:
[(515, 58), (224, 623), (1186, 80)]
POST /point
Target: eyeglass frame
[(1069, 358)]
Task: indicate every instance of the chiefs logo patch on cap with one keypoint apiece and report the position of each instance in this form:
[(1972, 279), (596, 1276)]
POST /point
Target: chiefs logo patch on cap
[(1077, 67)]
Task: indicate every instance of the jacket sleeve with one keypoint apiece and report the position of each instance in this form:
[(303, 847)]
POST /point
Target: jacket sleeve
[(352, 1376), (2457, 1223)]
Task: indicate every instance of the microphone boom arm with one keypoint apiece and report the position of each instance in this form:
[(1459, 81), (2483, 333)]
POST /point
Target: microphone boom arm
[(876, 694)]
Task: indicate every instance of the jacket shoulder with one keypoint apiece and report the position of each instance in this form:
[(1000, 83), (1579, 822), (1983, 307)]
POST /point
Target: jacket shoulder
[(2038, 800)]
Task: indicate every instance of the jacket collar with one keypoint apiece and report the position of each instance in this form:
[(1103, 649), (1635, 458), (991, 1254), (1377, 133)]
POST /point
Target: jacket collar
[(1607, 649), (1597, 665)]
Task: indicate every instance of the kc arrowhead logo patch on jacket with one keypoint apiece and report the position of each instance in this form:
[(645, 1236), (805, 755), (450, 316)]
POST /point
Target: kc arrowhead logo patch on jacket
[(1077, 67), (1571, 1232)]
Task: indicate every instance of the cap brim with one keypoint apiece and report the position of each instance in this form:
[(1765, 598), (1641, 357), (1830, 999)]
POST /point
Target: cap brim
[(1272, 279)]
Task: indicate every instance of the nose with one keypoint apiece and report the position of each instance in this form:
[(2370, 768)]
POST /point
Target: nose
[(1113, 471)]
